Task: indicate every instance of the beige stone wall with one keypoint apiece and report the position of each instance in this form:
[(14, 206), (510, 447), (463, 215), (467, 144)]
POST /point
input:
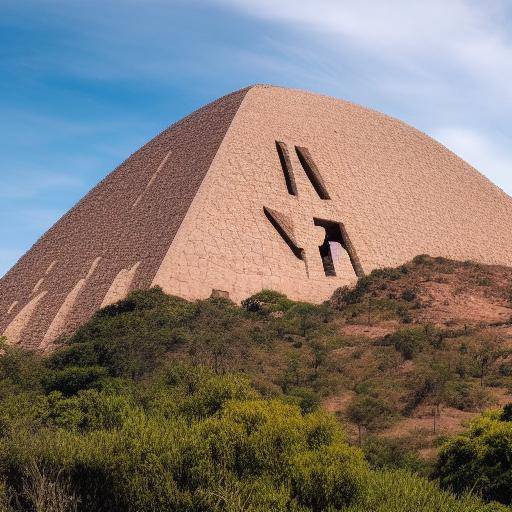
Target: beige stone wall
[(398, 192), (186, 212), (125, 225)]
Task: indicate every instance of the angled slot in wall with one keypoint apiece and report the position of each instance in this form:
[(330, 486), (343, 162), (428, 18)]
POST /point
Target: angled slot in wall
[(50, 267), (336, 232), (37, 286), (285, 230), (312, 172), (152, 179), (286, 165)]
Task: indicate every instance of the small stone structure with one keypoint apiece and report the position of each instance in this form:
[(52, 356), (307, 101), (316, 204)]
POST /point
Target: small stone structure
[(264, 188)]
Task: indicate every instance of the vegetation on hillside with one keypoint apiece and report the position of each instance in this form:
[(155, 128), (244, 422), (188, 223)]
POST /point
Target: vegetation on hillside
[(161, 404), (480, 458)]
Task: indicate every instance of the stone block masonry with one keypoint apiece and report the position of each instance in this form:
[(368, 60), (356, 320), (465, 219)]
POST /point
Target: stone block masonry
[(264, 188)]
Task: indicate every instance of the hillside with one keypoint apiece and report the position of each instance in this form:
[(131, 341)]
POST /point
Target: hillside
[(258, 207), (465, 311), (443, 292), (225, 408)]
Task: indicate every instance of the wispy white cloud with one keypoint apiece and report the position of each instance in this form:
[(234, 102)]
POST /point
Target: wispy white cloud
[(480, 151), (460, 33), (435, 63)]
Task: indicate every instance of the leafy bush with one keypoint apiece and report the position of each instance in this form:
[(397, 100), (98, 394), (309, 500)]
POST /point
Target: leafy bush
[(331, 477), (140, 300), (267, 301), (464, 396), (90, 410), (384, 453), (372, 310), (409, 295), (72, 379), (409, 342), (479, 459), (152, 406), (392, 491), (306, 399), (19, 369), (150, 465), (506, 415)]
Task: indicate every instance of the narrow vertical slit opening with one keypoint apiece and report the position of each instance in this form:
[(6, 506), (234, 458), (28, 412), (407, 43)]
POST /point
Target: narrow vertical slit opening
[(312, 172), (335, 233), (286, 166), (327, 259)]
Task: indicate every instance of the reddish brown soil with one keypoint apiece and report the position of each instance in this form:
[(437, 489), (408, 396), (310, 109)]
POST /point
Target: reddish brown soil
[(451, 295)]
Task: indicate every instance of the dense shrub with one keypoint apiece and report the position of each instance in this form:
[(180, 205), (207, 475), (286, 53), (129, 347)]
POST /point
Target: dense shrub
[(19, 369), (192, 441), (331, 477), (385, 453), (480, 459), (409, 342), (306, 399), (464, 396), (506, 415), (267, 301), (72, 379), (409, 295), (392, 491), (145, 464), (152, 406)]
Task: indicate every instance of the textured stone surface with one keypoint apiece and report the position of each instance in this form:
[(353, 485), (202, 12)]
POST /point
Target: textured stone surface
[(186, 211), (130, 217)]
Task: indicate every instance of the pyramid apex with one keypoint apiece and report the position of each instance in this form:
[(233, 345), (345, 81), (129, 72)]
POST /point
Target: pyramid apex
[(280, 188)]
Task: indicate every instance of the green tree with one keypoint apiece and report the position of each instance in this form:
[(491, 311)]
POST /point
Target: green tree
[(320, 352), (294, 372), (486, 351), (308, 317), (368, 412), (410, 342), (438, 378), (479, 459)]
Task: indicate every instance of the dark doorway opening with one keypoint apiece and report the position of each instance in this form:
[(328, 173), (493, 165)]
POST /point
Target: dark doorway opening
[(327, 258), (336, 232)]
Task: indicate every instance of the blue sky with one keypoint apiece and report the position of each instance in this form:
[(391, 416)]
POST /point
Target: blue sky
[(86, 82)]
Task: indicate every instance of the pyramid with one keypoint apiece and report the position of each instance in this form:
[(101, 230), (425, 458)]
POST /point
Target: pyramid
[(266, 187)]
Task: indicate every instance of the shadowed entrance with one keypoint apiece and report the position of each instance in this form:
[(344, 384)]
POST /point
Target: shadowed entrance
[(336, 232)]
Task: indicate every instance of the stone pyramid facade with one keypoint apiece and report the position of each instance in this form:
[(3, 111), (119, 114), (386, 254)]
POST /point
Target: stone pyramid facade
[(264, 188)]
